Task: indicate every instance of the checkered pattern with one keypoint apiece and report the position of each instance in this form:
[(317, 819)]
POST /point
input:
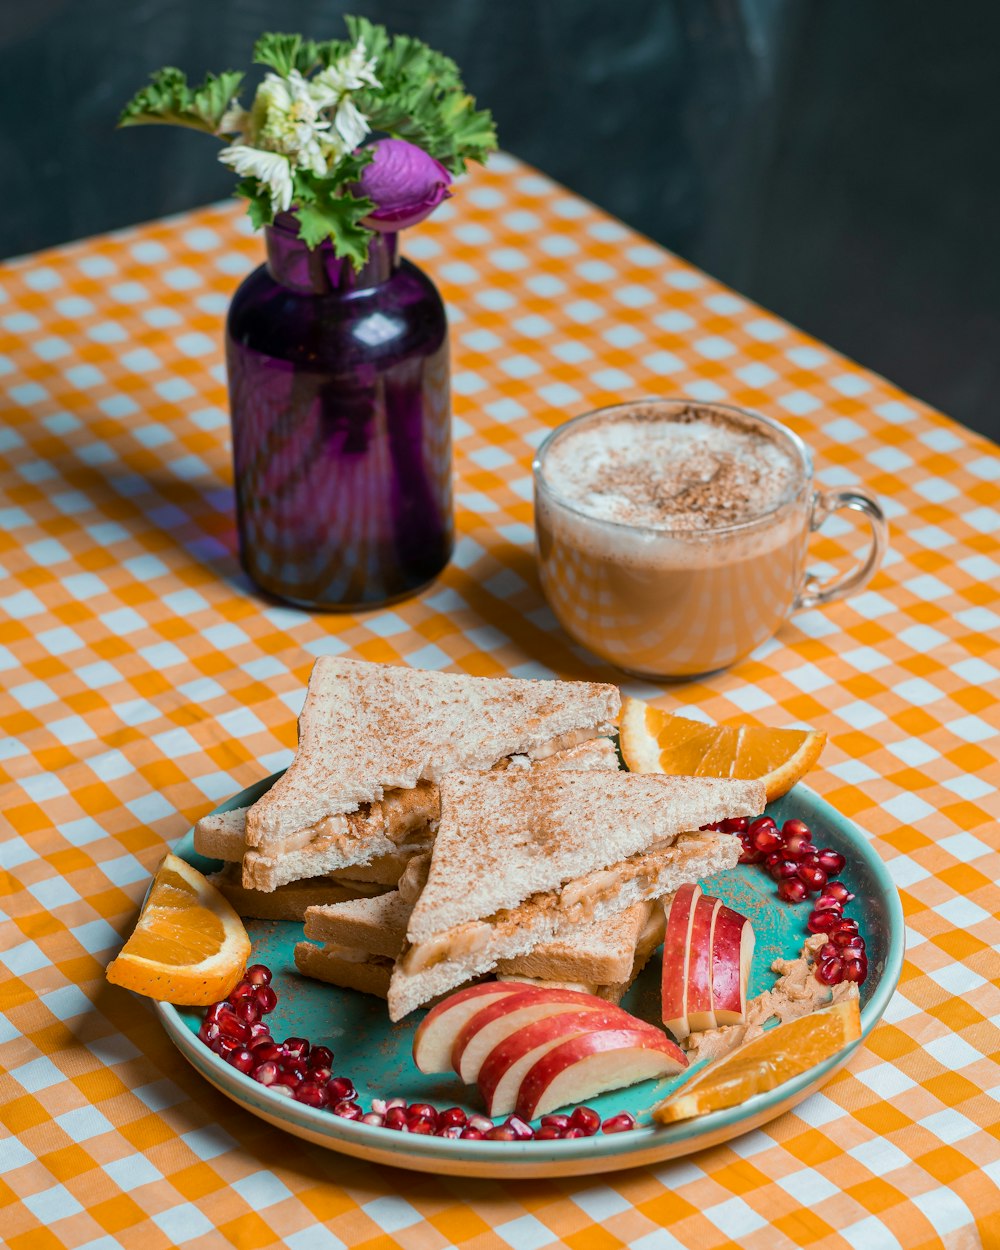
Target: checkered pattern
[(143, 681)]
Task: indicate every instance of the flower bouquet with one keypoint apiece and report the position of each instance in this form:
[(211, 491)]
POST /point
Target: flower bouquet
[(337, 349), (354, 137)]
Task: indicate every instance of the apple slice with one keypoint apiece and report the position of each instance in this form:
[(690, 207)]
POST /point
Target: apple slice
[(700, 1009), (676, 944), (732, 954), (577, 1069), (506, 1064), (436, 1033), (490, 1026)]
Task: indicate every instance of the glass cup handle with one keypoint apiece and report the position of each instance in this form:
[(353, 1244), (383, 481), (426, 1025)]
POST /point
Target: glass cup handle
[(815, 591)]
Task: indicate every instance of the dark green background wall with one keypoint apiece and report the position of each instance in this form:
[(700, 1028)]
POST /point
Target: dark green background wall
[(834, 159)]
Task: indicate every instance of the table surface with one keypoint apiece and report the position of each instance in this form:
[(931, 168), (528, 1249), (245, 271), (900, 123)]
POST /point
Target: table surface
[(143, 682)]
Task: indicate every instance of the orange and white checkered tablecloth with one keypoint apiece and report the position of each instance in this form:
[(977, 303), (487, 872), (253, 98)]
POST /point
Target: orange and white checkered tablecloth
[(142, 681)]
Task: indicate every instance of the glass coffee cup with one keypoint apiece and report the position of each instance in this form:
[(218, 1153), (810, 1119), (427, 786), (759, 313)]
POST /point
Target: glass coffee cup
[(671, 535)]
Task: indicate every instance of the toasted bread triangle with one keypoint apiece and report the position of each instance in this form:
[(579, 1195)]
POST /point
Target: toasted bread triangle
[(505, 837), (368, 728)]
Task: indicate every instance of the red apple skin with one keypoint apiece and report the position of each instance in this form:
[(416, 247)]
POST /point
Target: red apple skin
[(732, 954), (436, 1033), (516, 1010), (600, 1060), (698, 1004), (499, 1076), (676, 943)]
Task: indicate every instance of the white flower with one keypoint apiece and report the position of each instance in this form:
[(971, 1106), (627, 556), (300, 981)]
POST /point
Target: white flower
[(234, 121), (350, 124), (286, 117), (271, 168), (348, 74)]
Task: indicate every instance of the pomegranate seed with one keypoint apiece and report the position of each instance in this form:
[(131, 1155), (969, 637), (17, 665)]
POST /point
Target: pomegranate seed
[(620, 1123), (296, 1047), (290, 1076), (265, 998), (848, 927), (311, 1094), (265, 1051), (246, 1010), (471, 1134), (734, 824), (242, 1060), (287, 1080), (822, 922), (258, 974), (285, 1091), (856, 971), (395, 1116), (826, 902), (320, 1057), (750, 857), (813, 878), (400, 1102), (766, 840), (480, 1122), (424, 1127), (522, 1131), (451, 1117), (783, 871), (213, 1013), (796, 828), (348, 1110), (575, 1132), (290, 1064), (319, 1075), (259, 1032), (373, 1118), (839, 891), (500, 1132), (852, 954), (421, 1111), (379, 1106), (761, 822), (548, 1132), (342, 1089), (846, 944), (234, 1030), (827, 952), (797, 847), (792, 891), (830, 973), (449, 1130), (241, 992), (209, 1032), (585, 1118), (831, 861), (555, 1121)]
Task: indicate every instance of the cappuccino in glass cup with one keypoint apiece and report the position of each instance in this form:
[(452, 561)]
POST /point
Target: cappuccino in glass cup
[(672, 535)]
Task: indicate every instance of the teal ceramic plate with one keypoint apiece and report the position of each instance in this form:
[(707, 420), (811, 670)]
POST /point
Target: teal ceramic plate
[(376, 1054)]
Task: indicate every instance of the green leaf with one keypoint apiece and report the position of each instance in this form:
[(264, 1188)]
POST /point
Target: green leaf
[(169, 100), (336, 217), (277, 51), (259, 209), (422, 98)]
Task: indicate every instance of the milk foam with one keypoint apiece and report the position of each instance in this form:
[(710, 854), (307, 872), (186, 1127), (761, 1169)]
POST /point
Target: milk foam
[(691, 468)]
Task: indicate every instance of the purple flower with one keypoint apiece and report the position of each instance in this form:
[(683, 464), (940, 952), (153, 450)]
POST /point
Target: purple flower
[(405, 184)]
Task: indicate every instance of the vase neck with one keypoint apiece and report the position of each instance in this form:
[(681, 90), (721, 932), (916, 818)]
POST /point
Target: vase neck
[(319, 271)]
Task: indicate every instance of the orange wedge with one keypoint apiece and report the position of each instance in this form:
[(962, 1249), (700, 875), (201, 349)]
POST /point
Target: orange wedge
[(653, 741), (188, 945), (769, 1060)]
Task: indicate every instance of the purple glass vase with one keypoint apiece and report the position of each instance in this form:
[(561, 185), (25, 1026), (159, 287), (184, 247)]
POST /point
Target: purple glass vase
[(341, 417)]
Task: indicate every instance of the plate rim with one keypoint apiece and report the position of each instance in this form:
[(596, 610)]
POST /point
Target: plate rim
[(505, 1155)]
